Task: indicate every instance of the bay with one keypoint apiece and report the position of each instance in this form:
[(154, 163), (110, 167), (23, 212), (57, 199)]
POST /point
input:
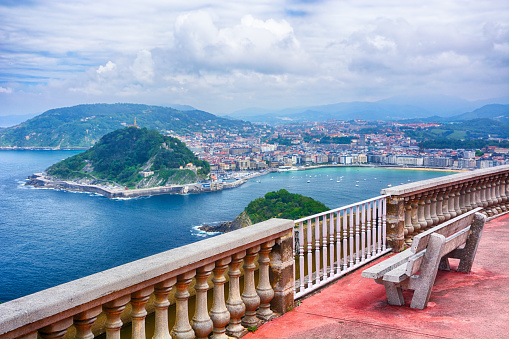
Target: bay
[(49, 237)]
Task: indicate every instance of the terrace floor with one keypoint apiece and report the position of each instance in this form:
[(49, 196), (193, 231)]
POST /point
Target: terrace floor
[(474, 305)]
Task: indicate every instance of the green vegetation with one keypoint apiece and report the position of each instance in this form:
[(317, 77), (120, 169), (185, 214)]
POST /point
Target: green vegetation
[(280, 141), (471, 129), (283, 204), (459, 144), (83, 125), (120, 156)]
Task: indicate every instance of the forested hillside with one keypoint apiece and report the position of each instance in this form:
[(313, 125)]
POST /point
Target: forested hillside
[(283, 204), (83, 125), (120, 156)]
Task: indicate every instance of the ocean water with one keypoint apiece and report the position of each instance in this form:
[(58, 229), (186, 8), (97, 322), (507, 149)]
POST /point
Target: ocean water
[(49, 237)]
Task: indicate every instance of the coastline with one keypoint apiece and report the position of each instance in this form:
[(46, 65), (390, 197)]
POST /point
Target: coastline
[(38, 180)]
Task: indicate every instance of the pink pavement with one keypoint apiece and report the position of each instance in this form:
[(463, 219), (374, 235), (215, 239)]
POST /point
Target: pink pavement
[(474, 305)]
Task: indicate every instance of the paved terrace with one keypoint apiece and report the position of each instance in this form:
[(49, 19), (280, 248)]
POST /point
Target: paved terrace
[(474, 305)]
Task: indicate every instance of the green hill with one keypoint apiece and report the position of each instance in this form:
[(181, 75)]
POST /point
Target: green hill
[(83, 125), (283, 204), (120, 156)]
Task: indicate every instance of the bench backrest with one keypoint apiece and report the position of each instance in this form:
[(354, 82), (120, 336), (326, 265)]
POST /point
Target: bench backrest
[(446, 229)]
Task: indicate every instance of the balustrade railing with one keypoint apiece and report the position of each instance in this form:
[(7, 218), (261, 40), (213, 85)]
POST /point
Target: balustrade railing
[(50, 313), (415, 207), (333, 243), (294, 258)]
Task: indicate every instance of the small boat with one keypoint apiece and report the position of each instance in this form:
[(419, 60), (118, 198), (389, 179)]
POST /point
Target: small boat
[(389, 185), (330, 179), (356, 185)]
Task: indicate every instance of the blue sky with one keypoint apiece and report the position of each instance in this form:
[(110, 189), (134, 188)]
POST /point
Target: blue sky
[(229, 55)]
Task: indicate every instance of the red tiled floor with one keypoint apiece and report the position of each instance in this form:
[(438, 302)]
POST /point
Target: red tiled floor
[(474, 305)]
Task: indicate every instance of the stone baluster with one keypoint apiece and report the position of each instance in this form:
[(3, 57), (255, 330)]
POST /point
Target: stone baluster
[(234, 303), (161, 305), (484, 193), (433, 208), (451, 200), (468, 194), (440, 203), (83, 322), (489, 199), (498, 195), (202, 324), (503, 192), (420, 212), (457, 195), (506, 181), (219, 313), (445, 204), (463, 198), (473, 194), (415, 220), (409, 229), (56, 330), (427, 209), (139, 313), (182, 328), (264, 289), (249, 296), (471, 200), (494, 195), (113, 309)]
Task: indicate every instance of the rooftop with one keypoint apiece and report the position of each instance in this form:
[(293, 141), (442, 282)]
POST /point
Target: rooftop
[(474, 305)]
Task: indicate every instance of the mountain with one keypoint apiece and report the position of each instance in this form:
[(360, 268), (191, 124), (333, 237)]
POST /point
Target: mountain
[(395, 108), (494, 111), (83, 125), (120, 157)]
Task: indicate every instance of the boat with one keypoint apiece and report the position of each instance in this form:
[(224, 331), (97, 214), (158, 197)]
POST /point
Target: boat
[(309, 181)]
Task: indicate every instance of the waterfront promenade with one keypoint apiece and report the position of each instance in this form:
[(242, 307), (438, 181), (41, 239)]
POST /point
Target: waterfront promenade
[(474, 305)]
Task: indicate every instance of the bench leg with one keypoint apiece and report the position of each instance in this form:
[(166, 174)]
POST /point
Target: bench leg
[(393, 291), (467, 254), (423, 284)]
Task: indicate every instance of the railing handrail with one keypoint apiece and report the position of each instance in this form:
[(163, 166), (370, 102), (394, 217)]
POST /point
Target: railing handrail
[(341, 208), (39, 309), (453, 179)]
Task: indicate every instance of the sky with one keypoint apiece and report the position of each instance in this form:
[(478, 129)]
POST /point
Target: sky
[(223, 56)]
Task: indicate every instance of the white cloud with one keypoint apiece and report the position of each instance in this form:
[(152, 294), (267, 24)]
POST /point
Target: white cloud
[(222, 56), (109, 67), (5, 90), (143, 67)]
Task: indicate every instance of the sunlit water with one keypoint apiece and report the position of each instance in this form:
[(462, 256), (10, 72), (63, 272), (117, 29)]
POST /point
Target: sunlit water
[(48, 237)]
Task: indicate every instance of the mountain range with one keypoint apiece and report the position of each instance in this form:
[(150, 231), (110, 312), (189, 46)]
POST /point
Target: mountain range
[(442, 108)]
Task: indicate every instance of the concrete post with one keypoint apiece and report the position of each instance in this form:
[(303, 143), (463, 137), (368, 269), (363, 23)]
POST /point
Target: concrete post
[(396, 223), (281, 274)]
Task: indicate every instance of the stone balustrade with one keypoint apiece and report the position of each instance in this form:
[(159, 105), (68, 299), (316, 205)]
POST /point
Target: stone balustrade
[(415, 207), (50, 313)]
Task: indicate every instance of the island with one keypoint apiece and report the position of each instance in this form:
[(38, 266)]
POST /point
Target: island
[(131, 162), (279, 204)]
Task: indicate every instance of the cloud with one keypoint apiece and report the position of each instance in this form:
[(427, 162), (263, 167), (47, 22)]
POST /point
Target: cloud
[(265, 46), (7, 90), (274, 53), (109, 67), (143, 67)]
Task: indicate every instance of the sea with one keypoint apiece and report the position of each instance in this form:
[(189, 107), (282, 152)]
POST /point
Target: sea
[(49, 237)]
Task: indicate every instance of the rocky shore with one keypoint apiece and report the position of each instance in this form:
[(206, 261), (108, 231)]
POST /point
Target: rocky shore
[(39, 180), (241, 221)]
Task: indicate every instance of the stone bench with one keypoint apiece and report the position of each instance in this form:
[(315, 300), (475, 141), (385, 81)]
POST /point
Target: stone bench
[(416, 268)]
